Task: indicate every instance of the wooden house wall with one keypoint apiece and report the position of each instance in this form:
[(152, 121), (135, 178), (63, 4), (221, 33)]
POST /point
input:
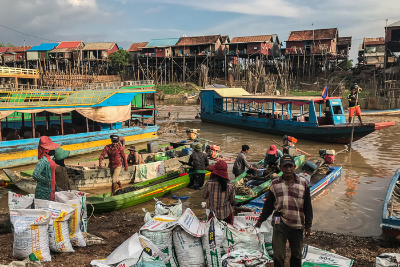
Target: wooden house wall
[(112, 50), (393, 32)]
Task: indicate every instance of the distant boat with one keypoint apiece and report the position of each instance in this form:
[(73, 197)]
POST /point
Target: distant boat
[(277, 115), (385, 112), (391, 208)]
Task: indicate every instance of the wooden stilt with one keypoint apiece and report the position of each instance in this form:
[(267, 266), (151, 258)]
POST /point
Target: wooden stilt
[(47, 120), (155, 108), (62, 124), (87, 125), (23, 119), (33, 124)]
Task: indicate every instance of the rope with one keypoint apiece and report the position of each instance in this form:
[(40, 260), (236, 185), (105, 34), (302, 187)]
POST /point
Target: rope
[(92, 211)]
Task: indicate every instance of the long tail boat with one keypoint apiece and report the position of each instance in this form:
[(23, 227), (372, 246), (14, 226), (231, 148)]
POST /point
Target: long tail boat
[(91, 116), (317, 182), (262, 188), (391, 208), (280, 115), (142, 192)]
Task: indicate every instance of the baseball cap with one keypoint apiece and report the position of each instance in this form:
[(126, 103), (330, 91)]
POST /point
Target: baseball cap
[(286, 159), (114, 138)]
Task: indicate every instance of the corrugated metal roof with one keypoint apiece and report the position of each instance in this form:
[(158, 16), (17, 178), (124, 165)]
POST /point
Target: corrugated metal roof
[(344, 41), (198, 40), (252, 39), (374, 41), (3, 49), (44, 47), (396, 24), (99, 46), (134, 47), (19, 49), (69, 44), (229, 92), (162, 42), (308, 35)]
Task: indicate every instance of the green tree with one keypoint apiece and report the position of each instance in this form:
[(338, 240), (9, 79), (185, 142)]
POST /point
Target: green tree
[(345, 66), (120, 59), (10, 45), (2, 45)]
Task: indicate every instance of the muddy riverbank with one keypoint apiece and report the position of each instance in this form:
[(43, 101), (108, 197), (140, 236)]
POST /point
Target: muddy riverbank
[(116, 227)]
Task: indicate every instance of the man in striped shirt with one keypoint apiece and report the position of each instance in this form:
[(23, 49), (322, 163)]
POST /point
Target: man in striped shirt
[(290, 202)]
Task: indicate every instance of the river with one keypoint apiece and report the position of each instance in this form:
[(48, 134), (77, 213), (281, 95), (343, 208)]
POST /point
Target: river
[(353, 205)]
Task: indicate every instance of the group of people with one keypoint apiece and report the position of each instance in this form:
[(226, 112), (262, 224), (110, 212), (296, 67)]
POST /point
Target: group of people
[(288, 200)]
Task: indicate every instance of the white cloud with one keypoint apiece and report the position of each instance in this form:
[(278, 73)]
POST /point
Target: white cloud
[(153, 10), (81, 3)]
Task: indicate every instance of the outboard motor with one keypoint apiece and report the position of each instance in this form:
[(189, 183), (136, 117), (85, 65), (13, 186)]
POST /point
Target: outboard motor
[(328, 155), (288, 145)]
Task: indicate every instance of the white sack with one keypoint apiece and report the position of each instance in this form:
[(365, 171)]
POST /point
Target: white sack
[(17, 201), (30, 233), (58, 228), (84, 217), (132, 251), (243, 239), (75, 233), (314, 256), (388, 260), (212, 242), (188, 249), (163, 241), (174, 210), (244, 258)]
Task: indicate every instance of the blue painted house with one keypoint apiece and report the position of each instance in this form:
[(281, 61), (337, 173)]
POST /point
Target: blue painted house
[(41, 51)]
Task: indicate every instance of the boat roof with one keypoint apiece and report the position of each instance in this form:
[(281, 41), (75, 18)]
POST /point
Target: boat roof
[(240, 93), (55, 99)]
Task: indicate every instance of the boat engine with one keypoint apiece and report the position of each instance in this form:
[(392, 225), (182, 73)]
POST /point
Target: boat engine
[(191, 134), (288, 145), (212, 151), (328, 155)]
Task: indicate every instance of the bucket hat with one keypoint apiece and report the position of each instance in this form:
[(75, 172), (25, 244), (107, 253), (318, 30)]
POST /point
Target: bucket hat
[(198, 147), (132, 148), (47, 143), (61, 153), (272, 150), (220, 168)]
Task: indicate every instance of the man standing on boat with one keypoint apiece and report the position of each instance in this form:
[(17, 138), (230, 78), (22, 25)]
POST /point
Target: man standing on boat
[(116, 155), (272, 157), (199, 161), (290, 202), (354, 106), (134, 157), (241, 162)]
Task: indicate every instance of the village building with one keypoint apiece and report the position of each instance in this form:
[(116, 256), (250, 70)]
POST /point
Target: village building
[(99, 51), (374, 52), (225, 40), (67, 51), (158, 48), (16, 56), (199, 46), (251, 45), (136, 48), (317, 42), (392, 38), (40, 52), (2, 51), (344, 46)]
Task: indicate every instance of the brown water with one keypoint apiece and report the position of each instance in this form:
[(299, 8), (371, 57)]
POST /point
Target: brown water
[(353, 205)]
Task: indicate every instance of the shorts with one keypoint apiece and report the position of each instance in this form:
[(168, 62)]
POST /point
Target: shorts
[(351, 111), (115, 174)]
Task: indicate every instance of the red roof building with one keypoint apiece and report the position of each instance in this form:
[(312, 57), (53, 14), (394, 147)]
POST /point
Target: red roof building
[(250, 45), (199, 45), (135, 49), (319, 41), (17, 53), (67, 50)]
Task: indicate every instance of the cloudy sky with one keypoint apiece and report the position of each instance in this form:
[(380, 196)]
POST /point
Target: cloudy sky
[(128, 21)]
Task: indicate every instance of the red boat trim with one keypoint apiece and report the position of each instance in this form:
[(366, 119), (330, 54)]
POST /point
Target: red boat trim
[(383, 125)]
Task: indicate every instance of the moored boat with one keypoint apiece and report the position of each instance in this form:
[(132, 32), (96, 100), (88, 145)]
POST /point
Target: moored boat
[(142, 192), (277, 115), (391, 208), (264, 186), (91, 116), (318, 182)]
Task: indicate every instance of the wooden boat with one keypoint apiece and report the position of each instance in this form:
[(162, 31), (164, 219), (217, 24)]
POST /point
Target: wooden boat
[(385, 112), (260, 189), (277, 115), (85, 129), (391, 208), (146, 191), (89, 175), (317, 182)]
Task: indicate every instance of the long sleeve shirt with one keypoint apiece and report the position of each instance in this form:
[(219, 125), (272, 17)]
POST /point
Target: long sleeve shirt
[(272, 159), (240, 164), (221, 203), (199, 161), (135, 159), (114, 156), (42, 174), (292, 203)]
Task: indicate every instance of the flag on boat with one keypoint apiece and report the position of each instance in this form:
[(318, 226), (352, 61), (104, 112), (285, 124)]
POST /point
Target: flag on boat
[(325, 92)]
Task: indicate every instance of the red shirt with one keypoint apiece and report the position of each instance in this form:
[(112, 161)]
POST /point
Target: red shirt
[(114, 156)]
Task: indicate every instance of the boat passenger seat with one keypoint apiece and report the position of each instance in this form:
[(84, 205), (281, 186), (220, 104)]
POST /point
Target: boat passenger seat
[(13, 137), (69, 131)]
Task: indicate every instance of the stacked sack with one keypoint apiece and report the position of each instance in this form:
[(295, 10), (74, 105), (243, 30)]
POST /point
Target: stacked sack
[(41, 226)]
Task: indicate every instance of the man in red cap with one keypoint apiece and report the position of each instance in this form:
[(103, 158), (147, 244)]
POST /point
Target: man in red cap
[(272, 157), (219, 193)]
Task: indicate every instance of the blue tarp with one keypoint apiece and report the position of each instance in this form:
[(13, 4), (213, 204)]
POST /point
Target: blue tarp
[(44, 47)]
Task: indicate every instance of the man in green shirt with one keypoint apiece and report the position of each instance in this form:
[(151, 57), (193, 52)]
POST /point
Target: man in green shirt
[(199, 161)]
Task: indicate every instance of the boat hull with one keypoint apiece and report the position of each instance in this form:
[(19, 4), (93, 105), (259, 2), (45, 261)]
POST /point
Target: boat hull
[(93, 177), (24, 152), (390, 225), (301, 130)]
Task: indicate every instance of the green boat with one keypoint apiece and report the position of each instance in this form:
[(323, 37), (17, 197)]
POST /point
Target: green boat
[(262, 188), (145, 191)]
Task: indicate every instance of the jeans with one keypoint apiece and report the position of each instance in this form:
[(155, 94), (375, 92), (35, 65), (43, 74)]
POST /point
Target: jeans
[(282, 233)]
